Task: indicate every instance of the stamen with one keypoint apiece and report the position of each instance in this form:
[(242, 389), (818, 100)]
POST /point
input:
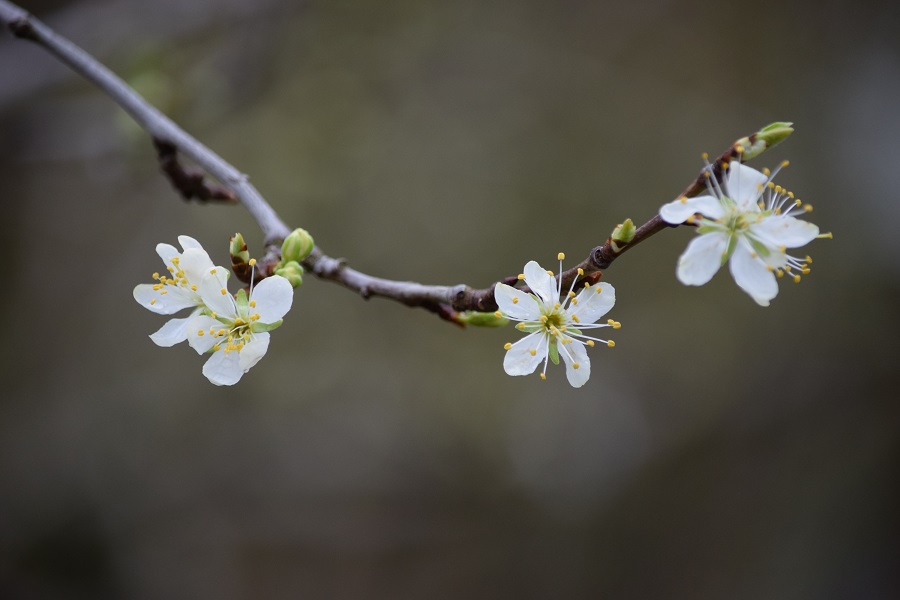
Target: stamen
[(532, 352), (561, 256), (252, 262), (152, 301), (223, 291), (515, 300), (590, 343), (507, 346), (543, 376), (520, 276), (498, 314), (575, 365), (611, 344), (253, 304)]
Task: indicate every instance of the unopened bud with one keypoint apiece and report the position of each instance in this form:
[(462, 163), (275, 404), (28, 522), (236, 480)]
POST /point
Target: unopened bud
[(240, 258), (481, 319), (622, 235), (765, 138), (297, 245), (292, 271)]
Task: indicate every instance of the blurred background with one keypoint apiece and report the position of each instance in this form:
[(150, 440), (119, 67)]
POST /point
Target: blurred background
[(721, 450)]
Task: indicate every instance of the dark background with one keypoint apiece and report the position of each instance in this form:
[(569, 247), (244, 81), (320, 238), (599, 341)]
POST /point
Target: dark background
[(721, 450)]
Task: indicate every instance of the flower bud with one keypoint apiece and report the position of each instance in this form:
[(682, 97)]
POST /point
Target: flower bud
[(292, 271), (481, 319), (240, 258), (297, 246), (765, 138), (622, 235)]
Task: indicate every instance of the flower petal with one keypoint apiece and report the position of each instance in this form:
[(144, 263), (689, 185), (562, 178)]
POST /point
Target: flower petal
[(274, 296), (223, 368), (677, 211), (524, 308), (188, 242), (198, 333), (785, 231), (174, 300), (702, 258), (195, 263), (541, 283), (752, 274), (215, 294), (253, 351), (167, 252), (173, 332), (574, 353), (744, 184), (594, 302), (519, 359)]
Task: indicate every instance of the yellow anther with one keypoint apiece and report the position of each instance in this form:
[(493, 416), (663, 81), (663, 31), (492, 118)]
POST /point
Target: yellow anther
[(808, 259), (238, 322), (805, 271), (163, 292), (175, 260), (778, 189), (785, 163), (705, 156), (590, 343), (252, 262), (777, 211), (212, 331), (797, 202), (574, 301), (739, 149), (157, 287), (217, 347), (520, 326), (554, 330), (562, 327), (725, 165), (571, 294), (611, 344), (170, 269), (556, 306), (255, 316), (515, 299), (544, 376), (759, 186), (796, 279), (253, 304), (706, 174), (507, 346), (156, 276), (200, 332), (598, 289), (576, 319), (754, 254), (213, 315), (549, 272), (212, 271), (780, 273), (222, 333), (587, 284), (770, 185), (683, 199), (575, 365), (690, 220), (580, 271), (153, 301), (766, 171), (544, 319), (498, 314), (520, 276), (193, 287), (808, 207), (790, 195), (223, 291), (561, 256), (770, 268)]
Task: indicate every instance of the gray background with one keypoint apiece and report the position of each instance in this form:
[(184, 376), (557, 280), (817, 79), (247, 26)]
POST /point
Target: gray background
[(721, 450)]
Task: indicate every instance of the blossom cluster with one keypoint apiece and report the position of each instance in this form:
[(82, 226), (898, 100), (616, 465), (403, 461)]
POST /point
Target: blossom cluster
[(233, 330)]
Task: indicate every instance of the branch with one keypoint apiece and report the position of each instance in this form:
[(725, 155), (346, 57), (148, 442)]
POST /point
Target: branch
[(170, 139)]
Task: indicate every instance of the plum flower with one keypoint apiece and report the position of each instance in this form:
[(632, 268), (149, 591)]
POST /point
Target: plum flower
[(554, 328), (235, 329), (177, 289), (747, 221)]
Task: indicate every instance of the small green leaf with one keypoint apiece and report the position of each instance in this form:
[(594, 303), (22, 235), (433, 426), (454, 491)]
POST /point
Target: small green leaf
[(554, 352), (258, 327)]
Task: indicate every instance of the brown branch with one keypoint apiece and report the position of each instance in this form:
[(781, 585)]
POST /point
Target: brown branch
[(169, 138)]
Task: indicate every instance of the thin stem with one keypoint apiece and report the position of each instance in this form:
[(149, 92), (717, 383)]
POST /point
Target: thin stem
[(444, 301)]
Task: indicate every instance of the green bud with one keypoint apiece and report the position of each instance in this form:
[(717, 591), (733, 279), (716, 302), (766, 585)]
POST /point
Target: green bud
[(297, 245), (238, 250), (622, 234), (292, 271), (481, 319), (767, 137)]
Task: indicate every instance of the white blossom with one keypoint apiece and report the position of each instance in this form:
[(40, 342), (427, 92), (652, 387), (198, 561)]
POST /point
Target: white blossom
[(747, 221), (554, 325), (177, 288), (235, 330)]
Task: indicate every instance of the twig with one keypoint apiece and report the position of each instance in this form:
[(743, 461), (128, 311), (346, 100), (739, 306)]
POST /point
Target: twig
[(169, 138)]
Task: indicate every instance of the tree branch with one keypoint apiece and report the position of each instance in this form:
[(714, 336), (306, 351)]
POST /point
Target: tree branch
[(169, 139)]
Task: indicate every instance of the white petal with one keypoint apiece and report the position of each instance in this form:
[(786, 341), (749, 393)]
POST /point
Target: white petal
[(519, 360), (785, 231), (541, 283), (525, 308), (702, 258), (173, 332), (593, 304), (187, 242), (171, 302), (273, 296), (223, 368), (752, 274), (167, 252), (203, 323), (677, 211), (744, 184), (254, 350), (576, 376), (211, 291), (196, 264)]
